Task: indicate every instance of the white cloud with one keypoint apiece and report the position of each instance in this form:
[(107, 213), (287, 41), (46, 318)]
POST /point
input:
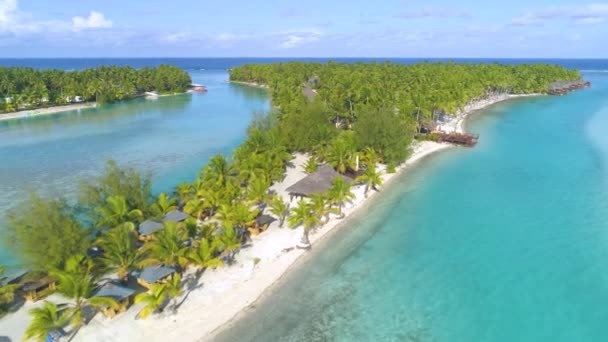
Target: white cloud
[(434, 12), (293, 39), (94, 20), (584, 14), (8, 9)]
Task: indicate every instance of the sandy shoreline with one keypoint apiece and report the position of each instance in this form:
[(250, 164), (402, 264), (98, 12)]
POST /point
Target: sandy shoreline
[(46, 111), (250, 84), (219, 296)]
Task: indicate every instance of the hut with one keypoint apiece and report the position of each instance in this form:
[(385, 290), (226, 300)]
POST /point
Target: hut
[(309, 93), (13, 278), (119, 293), (147, 228), (154, 274), (317, 182), (39, 288), (261, 224), (175, 216)]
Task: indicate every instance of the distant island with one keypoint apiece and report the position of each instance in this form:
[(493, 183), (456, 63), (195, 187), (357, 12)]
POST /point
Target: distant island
[(32, 89), (338, 133)]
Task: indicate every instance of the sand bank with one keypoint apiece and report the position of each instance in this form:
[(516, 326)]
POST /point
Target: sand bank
[(45, 111)]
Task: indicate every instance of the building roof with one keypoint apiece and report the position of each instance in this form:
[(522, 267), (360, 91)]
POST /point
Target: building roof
[(263, 220), (149, 227), (316, 183), (175, 216), (37, 284), (114, 291), (12, 277), (309, 93), (153, 274)]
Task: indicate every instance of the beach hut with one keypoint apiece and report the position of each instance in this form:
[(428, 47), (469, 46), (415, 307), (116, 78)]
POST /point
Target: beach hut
[(147, 228), (13, 278), (154, 274), (261, 224), (175, 216), (119, 293), (309, 93), (316, 183), (37, 289)]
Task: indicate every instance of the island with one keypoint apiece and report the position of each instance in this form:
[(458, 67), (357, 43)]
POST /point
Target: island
[(338, 133), (25, 91)]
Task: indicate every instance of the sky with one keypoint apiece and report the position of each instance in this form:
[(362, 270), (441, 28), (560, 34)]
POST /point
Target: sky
[(312, 28)]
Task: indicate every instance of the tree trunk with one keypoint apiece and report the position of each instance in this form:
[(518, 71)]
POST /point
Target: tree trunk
[(304, 242)]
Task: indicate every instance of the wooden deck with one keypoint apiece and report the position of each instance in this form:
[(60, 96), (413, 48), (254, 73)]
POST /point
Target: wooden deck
[(463, 139)]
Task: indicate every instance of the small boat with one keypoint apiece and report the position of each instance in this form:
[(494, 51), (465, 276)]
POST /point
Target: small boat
[(198, 88)]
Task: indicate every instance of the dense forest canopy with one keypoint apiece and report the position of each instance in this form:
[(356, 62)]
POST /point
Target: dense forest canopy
[(423, 88), (23, 88)]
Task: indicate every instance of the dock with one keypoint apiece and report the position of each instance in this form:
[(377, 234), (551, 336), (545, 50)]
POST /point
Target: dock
[(564, 87), (462, 139)]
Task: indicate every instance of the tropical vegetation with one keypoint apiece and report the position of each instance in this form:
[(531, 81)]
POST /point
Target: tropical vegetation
[(27, 88)]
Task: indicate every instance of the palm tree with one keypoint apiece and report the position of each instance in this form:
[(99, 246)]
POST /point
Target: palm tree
[(184, 192), (320, 207), (340, 193), (369, 157), (49, 319), (154, 299), (167, 247), (158, 294), (218, 171), (340, 156), (371, 178), (77, 280), (304, 215), (242, 216), (279, 208), (115, 212), (7, 292), (257, 191), (195, 207), (204, 254), (229, 241), (121, 254), (163, 205)]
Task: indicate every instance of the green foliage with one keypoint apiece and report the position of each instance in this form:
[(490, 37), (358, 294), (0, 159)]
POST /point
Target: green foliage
[(384, 131), (30, 88), (46, 320), (159, 293), (77, 279), (116, 181), (167, 247), (115, 212), (341, 153), (204, 254), (279, 208), (7, 293), (43, 234), (120, 251), (371, 178), (163, 204), (306, 128), (229, 241), (339, 193), (311, 165)]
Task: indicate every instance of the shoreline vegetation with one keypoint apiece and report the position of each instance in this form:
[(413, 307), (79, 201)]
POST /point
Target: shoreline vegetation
[(29, 91), (228, 252)]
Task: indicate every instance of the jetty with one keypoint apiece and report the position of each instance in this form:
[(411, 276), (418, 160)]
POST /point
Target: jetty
[(463, 139), (564, 87)]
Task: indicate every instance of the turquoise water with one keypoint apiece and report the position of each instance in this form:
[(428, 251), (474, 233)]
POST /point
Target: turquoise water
[(504, 242), (171, 137)]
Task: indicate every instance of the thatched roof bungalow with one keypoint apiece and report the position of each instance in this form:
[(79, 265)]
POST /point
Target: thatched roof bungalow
[(154, 274), (147, 228), (119, 293), (39, 288), (317, 182), (175, 216)]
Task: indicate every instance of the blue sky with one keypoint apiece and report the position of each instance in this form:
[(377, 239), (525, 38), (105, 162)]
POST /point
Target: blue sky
[(312, 28)]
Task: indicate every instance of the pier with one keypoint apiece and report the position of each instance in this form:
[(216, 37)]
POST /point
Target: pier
[(564, 87), (463, 139)]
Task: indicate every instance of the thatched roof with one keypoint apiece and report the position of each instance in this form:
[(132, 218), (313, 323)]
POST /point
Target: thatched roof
[(263, 220), (309, 93), (37, 284), (149, 227), (153, 274), (316, 183), (13, 277), (175, 216), (114, 291)]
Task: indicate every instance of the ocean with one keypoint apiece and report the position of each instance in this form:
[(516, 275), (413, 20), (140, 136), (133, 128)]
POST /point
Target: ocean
[(503, 242)]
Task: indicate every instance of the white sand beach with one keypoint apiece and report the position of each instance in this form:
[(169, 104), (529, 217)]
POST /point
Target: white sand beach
[(218, 296), (45, 111)]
